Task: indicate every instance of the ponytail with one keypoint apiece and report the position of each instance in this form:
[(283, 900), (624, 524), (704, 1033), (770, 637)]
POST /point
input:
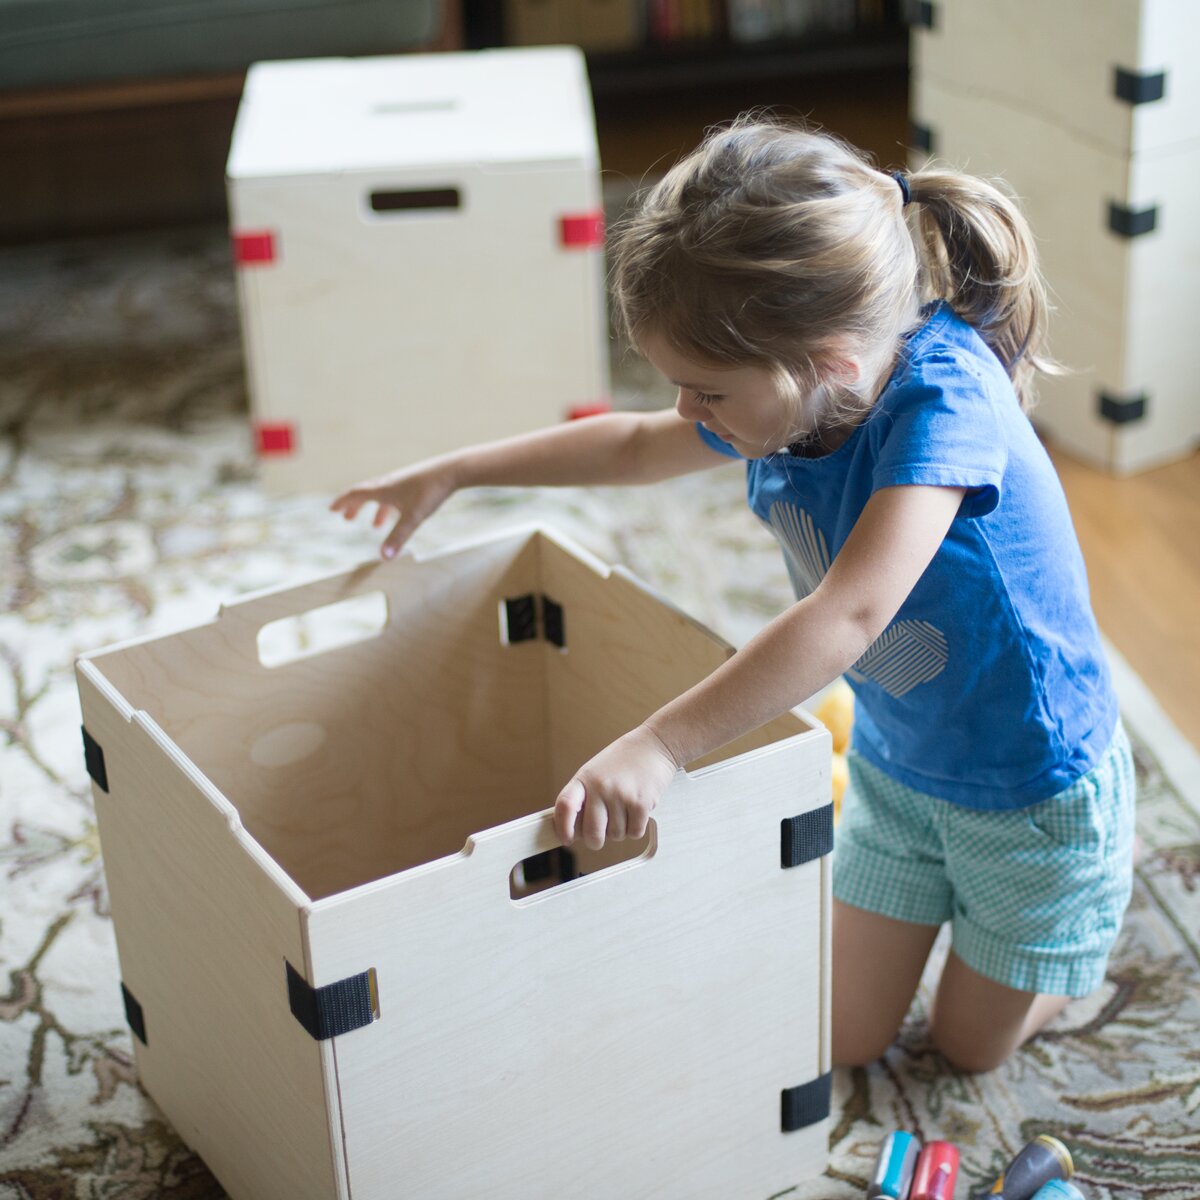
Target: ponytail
[(978, 254)]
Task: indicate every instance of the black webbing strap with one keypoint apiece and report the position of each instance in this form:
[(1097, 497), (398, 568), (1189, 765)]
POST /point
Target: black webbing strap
[(808, 836), (333, 1009), (134, 1015), (529, 617), (807, 1104), (1139, 87), (1131, 222), (93, 757)]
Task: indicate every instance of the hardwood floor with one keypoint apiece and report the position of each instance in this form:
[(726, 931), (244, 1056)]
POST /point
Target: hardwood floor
[(1141, 541)]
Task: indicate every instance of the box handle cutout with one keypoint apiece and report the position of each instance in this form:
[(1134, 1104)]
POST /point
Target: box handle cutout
[(422, 200), (535, 876), (319, 630)]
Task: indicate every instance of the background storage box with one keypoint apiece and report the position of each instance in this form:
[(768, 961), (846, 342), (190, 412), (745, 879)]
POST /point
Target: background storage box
[(354, 957), (419, 242), (1091, 112)]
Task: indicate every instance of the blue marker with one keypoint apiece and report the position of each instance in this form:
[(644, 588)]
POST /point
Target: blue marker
[(894, 1170), (1058, 1189)]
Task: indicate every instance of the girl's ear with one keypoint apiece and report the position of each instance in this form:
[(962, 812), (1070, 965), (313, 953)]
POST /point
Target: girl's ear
[(838, 369)]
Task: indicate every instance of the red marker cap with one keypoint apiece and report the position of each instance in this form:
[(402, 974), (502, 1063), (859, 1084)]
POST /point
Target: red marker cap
[(936, 1173)]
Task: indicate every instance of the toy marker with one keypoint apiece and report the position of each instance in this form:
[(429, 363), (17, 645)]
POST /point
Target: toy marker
[(1058, 1189), (936, 1173), (1042, 1160), (894, 1169)]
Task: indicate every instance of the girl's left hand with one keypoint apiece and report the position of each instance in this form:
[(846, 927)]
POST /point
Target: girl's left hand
[(613, 794)]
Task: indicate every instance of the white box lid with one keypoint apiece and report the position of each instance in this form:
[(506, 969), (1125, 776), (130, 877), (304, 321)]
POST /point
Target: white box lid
[(486, 107)]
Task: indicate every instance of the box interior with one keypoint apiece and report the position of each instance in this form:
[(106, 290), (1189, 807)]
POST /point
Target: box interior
[(353, 763)]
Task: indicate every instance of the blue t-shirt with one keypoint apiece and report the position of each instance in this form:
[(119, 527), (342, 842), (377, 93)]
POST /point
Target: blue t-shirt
[(989, 688)]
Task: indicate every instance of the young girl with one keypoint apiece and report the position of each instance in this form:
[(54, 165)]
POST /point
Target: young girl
[(873, 373)]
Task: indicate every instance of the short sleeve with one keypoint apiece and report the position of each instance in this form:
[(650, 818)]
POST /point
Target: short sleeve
[(944, 429), (718, 444)]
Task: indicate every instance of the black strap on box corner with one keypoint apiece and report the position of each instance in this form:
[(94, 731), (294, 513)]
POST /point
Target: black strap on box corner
[(93, 756), (807, 1104), (331, 1010), (808, 836), (922, 14), (921, 137), (521, 618), (529, 617), (134, 1015), (1120, 410), (1139, 87), (1131, 222), (552, 622)]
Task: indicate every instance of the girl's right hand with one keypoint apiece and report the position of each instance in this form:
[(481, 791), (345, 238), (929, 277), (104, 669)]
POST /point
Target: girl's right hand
[(406, 496)]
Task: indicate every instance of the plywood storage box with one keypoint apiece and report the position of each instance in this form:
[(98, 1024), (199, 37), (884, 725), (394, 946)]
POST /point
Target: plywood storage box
[(356, 959), (419, 242), (1091, 112)]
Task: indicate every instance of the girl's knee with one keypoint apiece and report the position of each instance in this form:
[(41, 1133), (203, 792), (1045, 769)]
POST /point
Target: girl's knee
[(967, 1052), (859, 1048)]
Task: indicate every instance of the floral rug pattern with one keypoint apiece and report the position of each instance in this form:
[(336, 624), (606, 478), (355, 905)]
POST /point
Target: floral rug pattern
[(130, 506)]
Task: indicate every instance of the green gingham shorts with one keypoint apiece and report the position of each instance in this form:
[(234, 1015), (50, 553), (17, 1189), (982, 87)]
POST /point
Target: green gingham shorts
[(1036, 895)]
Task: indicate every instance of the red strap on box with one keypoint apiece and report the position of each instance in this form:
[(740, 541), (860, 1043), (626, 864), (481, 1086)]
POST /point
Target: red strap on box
[(275, 437), (581, 230), (596, 409), (254, 249)]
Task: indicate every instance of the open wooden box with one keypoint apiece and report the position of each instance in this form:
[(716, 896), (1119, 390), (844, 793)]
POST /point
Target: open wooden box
[(357, 962)]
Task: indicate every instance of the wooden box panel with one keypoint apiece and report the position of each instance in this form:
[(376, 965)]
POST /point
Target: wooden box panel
[(356, 814), (1123, 303), (406, 281), (1060, 61)]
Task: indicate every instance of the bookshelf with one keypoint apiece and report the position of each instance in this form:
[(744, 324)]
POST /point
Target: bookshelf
[(655, 46)]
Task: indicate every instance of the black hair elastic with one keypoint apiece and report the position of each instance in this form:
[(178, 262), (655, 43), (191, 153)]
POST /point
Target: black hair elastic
[(902, 183)]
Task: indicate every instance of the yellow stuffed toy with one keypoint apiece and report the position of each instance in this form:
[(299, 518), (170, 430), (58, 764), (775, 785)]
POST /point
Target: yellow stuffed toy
[(836, 713)]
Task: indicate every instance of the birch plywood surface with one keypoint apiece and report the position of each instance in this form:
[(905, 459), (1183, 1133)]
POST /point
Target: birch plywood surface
[(203, 928), (1058, 61), (627, 1034), (628, 652), (1124, 307), (400, 745)]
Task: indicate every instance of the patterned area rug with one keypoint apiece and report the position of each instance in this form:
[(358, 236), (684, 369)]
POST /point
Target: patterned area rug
[(130, 507)]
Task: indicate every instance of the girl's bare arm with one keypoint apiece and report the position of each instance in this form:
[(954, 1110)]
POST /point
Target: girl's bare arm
[(800, 651), (612, 449)]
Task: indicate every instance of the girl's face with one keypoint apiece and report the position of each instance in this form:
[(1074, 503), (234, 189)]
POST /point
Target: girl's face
[(741, 405)]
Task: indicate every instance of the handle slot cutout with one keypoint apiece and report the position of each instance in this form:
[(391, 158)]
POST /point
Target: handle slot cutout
[(330, 627), (539, 875), (422, 200)]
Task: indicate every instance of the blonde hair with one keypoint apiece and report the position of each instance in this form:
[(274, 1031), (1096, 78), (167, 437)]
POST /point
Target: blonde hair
[(776, 246)]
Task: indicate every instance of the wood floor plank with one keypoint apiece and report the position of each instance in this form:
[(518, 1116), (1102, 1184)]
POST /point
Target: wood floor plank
[(1141, 541)]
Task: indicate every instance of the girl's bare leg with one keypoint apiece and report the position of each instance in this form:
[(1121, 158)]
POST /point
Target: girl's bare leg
[(977, 1023), (877, 964)]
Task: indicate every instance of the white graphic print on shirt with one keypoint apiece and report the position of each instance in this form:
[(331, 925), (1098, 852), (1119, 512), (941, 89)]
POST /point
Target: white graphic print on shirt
[(906, 654)]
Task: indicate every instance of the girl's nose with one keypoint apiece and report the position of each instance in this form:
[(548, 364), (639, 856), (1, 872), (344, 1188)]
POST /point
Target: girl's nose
[(687, 406)]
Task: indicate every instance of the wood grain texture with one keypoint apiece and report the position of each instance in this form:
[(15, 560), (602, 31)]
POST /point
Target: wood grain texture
[(204, 923), (1141, 541), (629, 1032)]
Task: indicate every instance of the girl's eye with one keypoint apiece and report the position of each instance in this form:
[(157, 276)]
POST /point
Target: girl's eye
[(706, 398)]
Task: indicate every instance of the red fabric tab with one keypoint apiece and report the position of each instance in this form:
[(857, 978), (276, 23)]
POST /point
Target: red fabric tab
[(254, 249), (596, 409), (581, 230), (279, 438)]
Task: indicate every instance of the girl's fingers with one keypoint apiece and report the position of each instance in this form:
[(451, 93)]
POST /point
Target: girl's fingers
[(637, 822), (401, 532), (566, 810), (617, 831), (594, 823)]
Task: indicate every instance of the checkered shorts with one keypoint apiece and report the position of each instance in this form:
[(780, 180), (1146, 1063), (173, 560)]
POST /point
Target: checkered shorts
[(1036, 895)]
